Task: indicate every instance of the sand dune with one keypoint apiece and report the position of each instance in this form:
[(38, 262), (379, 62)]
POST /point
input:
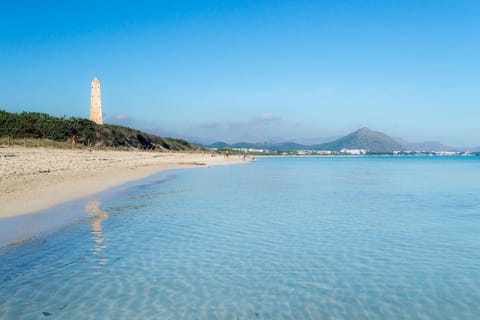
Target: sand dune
[(33, 179)]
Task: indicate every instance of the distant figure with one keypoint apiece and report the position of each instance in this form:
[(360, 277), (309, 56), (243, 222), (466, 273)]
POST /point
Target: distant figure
[(227, 153), (74, 142)]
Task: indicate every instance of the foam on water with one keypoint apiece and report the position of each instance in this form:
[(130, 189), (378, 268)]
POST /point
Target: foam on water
[(282, 238)]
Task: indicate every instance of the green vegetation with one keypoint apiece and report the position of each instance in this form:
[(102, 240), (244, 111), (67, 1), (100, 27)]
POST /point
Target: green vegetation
[(41, 126)]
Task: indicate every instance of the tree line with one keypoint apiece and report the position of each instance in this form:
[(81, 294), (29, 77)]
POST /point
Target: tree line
[(44, 126)]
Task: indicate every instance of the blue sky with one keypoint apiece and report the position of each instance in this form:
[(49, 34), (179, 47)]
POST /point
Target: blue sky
[(251, 70)]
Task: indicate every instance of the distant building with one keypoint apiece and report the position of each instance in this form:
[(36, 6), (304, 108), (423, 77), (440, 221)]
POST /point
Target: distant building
[(96, 102), (354, 151), (324, 152)]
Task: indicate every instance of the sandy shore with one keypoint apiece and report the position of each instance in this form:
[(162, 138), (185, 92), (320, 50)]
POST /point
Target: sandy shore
[(34, 179)]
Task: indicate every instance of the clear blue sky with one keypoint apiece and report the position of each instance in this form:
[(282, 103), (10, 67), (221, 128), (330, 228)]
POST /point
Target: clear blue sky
[(251, 69)]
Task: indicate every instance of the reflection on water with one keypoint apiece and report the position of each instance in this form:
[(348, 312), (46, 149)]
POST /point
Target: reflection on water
[(98, 216), (283, 238)]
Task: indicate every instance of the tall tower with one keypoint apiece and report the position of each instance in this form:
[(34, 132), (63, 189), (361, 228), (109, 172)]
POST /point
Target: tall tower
[(96, 102)]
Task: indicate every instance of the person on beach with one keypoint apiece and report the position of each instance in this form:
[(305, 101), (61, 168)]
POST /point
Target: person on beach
[(227, 153), (74, 141)]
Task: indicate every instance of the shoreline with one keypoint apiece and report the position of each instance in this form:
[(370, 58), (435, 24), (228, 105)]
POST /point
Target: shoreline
[(36, 179)]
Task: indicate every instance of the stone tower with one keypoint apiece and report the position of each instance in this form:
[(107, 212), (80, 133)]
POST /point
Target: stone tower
[(96, 102)]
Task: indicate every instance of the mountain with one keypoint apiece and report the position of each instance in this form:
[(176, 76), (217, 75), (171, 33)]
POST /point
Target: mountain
[(284, 146), (43, 126), (364, 138), (428, 146), (314, 140), (218, 145)]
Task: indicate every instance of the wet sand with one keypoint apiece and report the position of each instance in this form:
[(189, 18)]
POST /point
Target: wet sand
[(35, 179)]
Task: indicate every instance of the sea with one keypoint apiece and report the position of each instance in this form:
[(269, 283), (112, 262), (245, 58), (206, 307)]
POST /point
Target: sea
[(341, 237)]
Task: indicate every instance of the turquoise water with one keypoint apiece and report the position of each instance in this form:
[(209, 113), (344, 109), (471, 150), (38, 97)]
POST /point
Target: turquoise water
[(281, 238)]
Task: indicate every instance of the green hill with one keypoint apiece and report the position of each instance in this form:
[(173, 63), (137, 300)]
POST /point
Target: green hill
[(88, 133)]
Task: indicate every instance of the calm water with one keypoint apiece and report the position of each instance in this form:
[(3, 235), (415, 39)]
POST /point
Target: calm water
[(282, 238)]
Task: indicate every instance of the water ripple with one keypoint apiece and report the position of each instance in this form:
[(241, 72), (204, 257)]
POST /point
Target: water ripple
[(278, 239)]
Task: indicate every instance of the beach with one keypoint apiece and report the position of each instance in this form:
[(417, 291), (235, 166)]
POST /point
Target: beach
[(34, 179)]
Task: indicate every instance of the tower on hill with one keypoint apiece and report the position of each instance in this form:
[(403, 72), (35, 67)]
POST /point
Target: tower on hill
[(96, 102)]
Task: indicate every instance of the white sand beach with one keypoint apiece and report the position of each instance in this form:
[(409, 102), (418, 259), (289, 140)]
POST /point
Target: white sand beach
[(34, 179)]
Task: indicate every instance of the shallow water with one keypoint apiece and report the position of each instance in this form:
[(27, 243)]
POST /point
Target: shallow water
[(281, 238)]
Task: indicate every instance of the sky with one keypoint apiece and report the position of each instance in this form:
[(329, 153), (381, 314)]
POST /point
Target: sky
[(250, 70)]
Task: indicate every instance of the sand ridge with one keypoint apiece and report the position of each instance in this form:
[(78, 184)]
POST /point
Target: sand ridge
[(34, 179)]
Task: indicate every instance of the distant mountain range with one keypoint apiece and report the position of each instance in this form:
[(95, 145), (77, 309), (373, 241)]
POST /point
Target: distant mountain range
[(364, 138), (426, 146), (283, 146)]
